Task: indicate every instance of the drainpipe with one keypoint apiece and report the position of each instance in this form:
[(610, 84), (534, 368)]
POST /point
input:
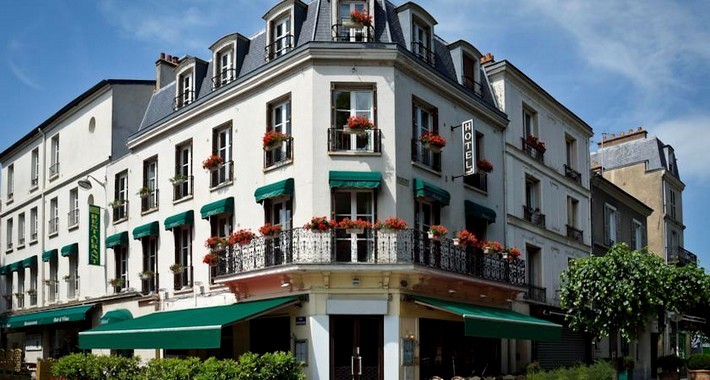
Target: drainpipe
[(41, 216)]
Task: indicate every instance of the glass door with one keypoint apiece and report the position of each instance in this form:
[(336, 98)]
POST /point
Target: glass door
[(356, 347)]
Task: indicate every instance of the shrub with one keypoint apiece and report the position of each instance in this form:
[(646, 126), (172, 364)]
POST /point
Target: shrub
[(76, 367), (670, 363), (214, 369), (600, 370), (118, 367), (699, 361), (172, 369), (280, 365)]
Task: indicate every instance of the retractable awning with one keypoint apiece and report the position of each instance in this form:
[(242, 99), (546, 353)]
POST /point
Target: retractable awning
[(67, 314), (29, 262), (113, 316), (489, 322), (355, 180), (70, 249), (273, 190), (149, 229), (178, 329), (423, 189), (186, 218), (14, 267), (475, 210), (219, 207), (49, 255), (115, 240), (5, 270)]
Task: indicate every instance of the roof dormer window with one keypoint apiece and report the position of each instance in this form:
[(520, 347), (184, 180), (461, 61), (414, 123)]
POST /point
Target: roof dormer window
[(418, 28), (185, 89), (225, 70), (283, 23), (471, 77), (354, 22), (281, 37), (421, 42)]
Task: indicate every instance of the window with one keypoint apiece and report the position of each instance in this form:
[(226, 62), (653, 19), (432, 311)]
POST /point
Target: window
[(9, 234), (531, 208), (637, 235), (346, 30), (222, 147), (425, 119), (220, 225), (33, 285), (672, 204), (421, 42), (149, 191), (183, 256), (278, 212), (611, 224), (120, 197), (529, 122), (182, 182), (34, 171), (354, 205), (282, 40), (21, 230), (426, 214), (53, 217), (150, 264), (534, 265), (471, 76), (279, 120), (673, 246), (20, 289), (34, 226), (54, 158), (225, 70), (479, 179), (120, 255), (573, 232), (73, 216), (353, 101), (10, 182), (73, 280), (570, 152), (53, 283), (185, 89)]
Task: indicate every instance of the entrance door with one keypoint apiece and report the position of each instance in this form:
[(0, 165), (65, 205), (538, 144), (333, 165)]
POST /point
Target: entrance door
[(356, 343)]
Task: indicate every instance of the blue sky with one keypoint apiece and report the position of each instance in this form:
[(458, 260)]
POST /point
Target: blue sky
[(618, 64)]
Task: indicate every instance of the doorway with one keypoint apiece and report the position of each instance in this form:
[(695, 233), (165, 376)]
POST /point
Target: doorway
[(356, 343)]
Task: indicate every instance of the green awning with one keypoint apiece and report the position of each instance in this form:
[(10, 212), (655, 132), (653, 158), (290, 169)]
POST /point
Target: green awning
[(424, 189), (113, 316), (475, 210), (30, 261), (71, 249), (14, 267), (49, 255), (177, 329), (68, 314), (4, 270), (115, 240), (284, 187), (186, 218), (219, 207), (150, 229), (489, 322), (357, 180)]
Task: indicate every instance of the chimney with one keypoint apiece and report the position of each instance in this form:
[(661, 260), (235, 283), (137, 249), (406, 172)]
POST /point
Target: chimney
[(164, 68), (488, 58), (622, 137)]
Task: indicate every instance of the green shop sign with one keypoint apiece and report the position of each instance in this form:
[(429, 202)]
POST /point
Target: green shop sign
[(94, 235)]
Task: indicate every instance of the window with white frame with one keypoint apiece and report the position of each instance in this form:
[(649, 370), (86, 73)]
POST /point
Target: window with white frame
[(530, 127), (73, 216), (426, 214), (421, 41), (183, 256), (347, 31), (354, 204), (8, 237), (572, 210), (186, 89), (21, 230), (220, 225), (278, 212), (53, 284), (222, 147), (53, 227), (225, 70), (570, 152), (73, 283), (54, 158), (120, 254), (282, 40), (425, 120), (34, 170), (150, 264), (21, 288), (279, 122), (611, 225), (471, 74), (532, 193), (182, 182), (351, 101), (149, 191), (33, 284), (10, 182), (34, 224), (637, 235), (120, 196)]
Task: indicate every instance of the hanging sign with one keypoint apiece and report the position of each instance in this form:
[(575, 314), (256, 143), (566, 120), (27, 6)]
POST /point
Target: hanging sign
[(469, 146)]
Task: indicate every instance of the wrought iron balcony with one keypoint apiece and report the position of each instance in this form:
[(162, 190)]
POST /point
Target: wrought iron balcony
[(683, 257), (573, 174), (575, 234), (347, 33), (54, 169), (534, 216), (53, 225), (73, 218), (301, 247), (472, 85), (120, 210), (185, 98), (279, 156), (339, 140), (224, 77), (224, 173), (536, 294), (279, 47), (150, 201), (35, 181), (183, 188), (424, 53), (479, 180), (533, 150), (424, 156), (183, 278)]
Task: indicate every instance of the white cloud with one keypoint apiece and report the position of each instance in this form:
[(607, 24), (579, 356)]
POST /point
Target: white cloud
[(688, 136), (23, 75)]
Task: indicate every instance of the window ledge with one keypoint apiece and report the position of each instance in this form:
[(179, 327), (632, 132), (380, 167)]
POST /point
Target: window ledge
[(53, 234), (20, 246), (474, 188), (9, 201), (149, 211), (8, 250), (53, 176), (73, 226), (426, 168), (33, 242), (278, 165), (183, 199), (222, 185), (354, 153), (120, 221), (34, 188)]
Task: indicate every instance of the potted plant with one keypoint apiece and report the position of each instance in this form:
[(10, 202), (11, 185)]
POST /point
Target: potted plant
[(432, 141), (699, 367), (212, 162), (19, 294), (273, 140), (491, 247), (319, 224), (179, 179), (117, 203), (511, 253), (269, 230), (32, 292), (144, 192), (464, 238), (484, 165), (358, 125), (391, 224), (358, 19), (670, 366), (437, 231), (215, 242), (354, 226), (146, 274), (241, 237), (68, 278), (535, 142), (177, 268), (211, 259), (50, 282), (116, 282)]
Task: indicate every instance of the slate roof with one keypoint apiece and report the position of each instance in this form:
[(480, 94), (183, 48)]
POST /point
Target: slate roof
[(649, 150), (316, 27)]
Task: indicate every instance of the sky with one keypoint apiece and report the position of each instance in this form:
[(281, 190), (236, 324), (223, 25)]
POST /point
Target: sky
[(617, 64)]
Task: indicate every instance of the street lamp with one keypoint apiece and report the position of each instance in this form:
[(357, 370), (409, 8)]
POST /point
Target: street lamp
[(85, 184)]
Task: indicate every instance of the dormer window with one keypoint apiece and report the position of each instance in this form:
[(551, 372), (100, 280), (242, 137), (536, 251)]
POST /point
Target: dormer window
[(418, 28), (185, 89), (281, 37), (421, 42), (354, 22), (471, 74), (225, 69)]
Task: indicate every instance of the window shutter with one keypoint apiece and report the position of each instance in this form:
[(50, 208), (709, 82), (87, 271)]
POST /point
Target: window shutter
[(633, 234), (617, 238), (435, 120), (116, 180), (178, 157), (374, 104), (269, 116), (607, 215)]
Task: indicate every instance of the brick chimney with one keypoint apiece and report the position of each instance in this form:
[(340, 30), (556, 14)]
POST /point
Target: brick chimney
[(488, 58), (164, 68), (622, 137)]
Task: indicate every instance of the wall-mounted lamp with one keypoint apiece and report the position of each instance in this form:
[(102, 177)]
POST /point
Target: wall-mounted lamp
[(85, 184)]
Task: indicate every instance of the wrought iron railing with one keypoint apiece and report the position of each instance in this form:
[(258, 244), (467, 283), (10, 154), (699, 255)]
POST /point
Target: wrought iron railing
[(472, 85), (53, 225), (478, 180), (534, 216), (183, 188), (346, 33), (183, 278), (533, 150), (279, 155), (20, 296), (423, 52), (149, 284), (54, 169), (53, 290), (279, 47), (35, 181), (222, 174), (339, 140), (573, 174), (424, 156), (536, 293), (683, 257), (72, 287), (185, 98), (120, 211), (409, 246), (73, 217), (575, 234), (224, 77), (150, 201)]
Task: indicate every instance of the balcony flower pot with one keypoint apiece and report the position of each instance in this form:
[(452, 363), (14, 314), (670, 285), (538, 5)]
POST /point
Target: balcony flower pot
[(67, 278), (359, 18), (456, 242), (436, 232), (270, 231), (241, 237), (179, 179), (177, 268), (432, 142), (212, 162), (358, 125), (391, 224), (354, 230), (349, 24), (273, 140), (146, 275), (145, 192), (320, 224), (464, 238), (211, 259), (117, 203), (354, 226), (116, 282), (32, 292), (353, 131)]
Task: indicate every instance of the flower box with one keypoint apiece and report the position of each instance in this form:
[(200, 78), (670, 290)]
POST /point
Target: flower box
[(484, 166), (273, 140), (432, 141), (270, 231), (358, 125), (145, 192), (436, 232), (319, 224), (391, 224), (212, 162), (354, 226), (211, 259), (491, 247), (241, 237), (465, 238), (177, 268), (360, 18), (146, 275), (179, 179)]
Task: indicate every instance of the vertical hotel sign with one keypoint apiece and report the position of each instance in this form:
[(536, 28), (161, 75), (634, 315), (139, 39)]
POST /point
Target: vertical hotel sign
[(469, 155), (94, 235)]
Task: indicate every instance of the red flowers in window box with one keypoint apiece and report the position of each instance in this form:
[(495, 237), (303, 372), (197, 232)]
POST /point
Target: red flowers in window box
[(241, 237), (215, 242), (437, 231), (512, 253), (212, 162), (491, 247), (362, 18), (270, 230), (391, 223), (211, 259), (432, 141), (484, 166), (320, 224), (273, 139), (535, 142), (360, 122), (354, 226), (466, 238)]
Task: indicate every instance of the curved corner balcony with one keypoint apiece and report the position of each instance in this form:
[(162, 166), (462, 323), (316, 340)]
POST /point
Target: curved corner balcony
[(301, 247)]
